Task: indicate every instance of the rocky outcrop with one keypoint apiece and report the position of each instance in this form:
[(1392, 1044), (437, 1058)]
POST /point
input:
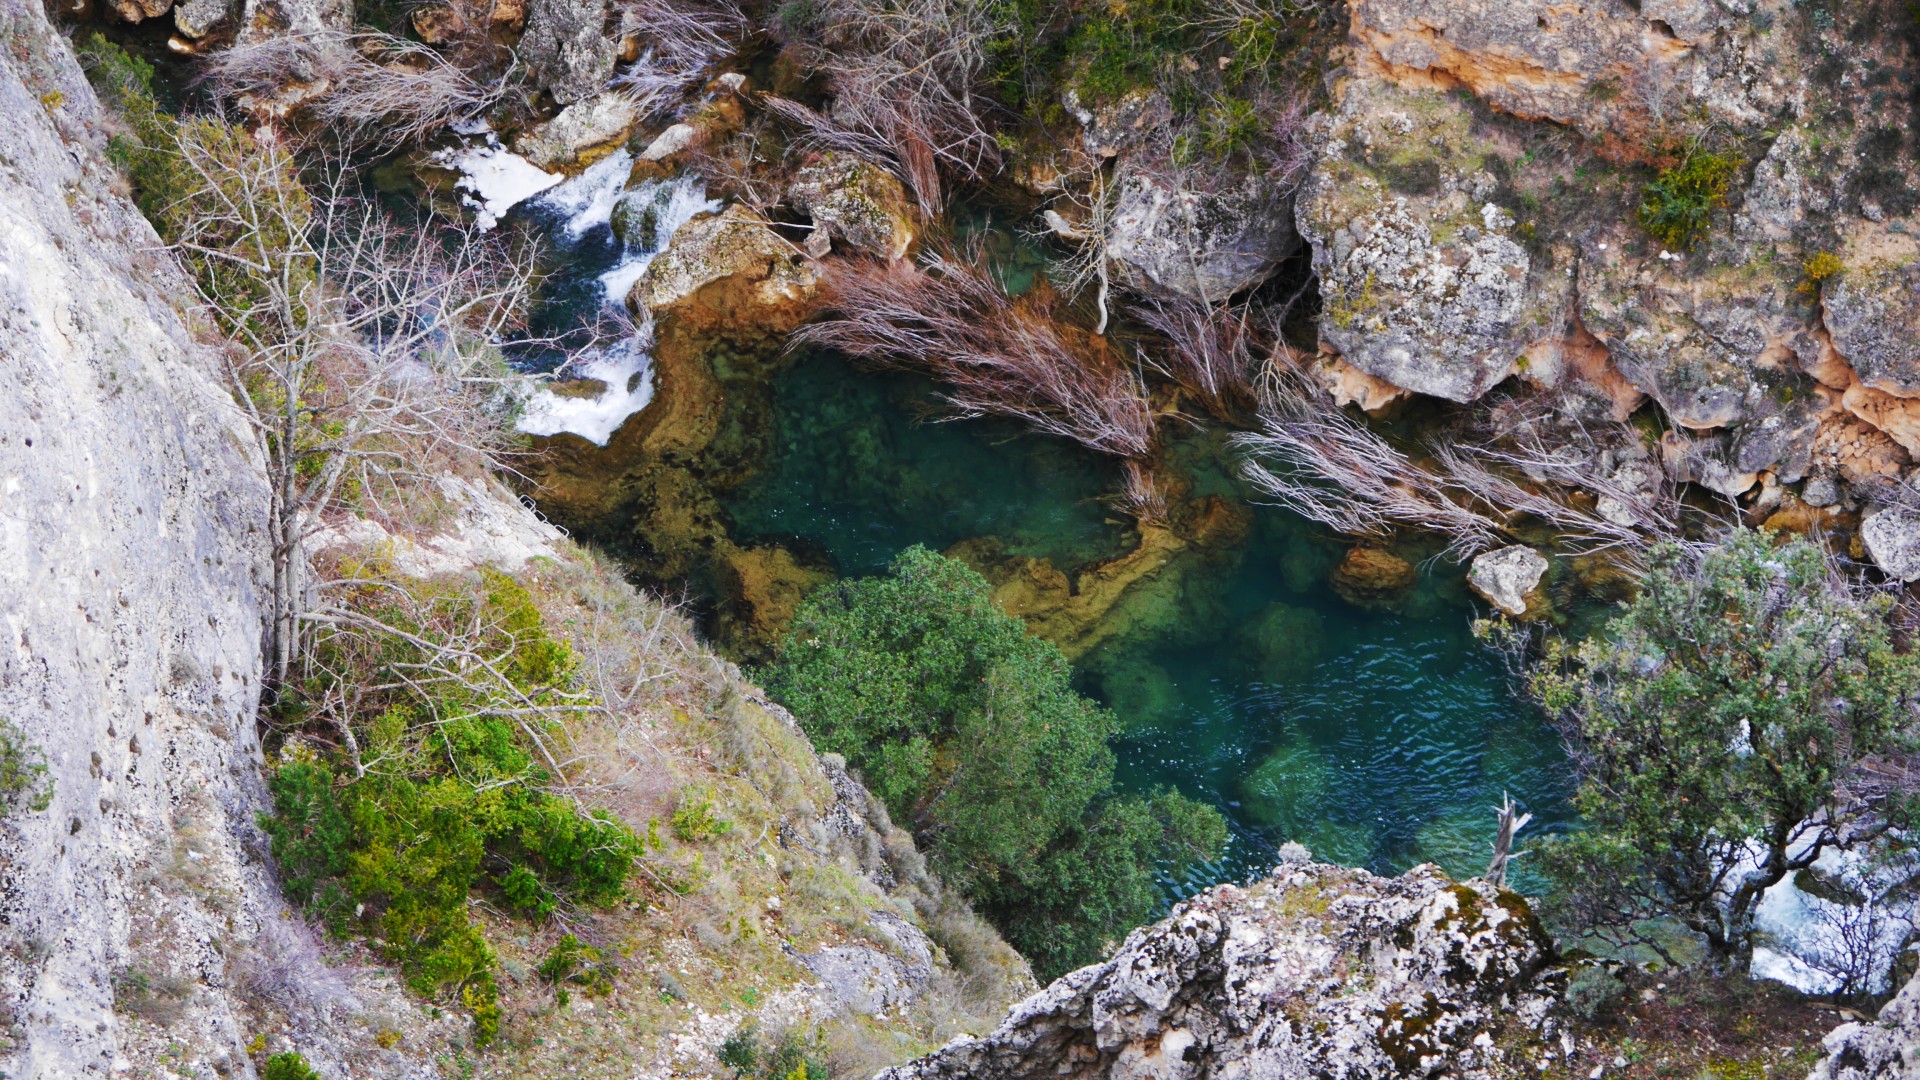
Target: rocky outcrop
[(568, 48), (1198, 244), (1887, 1049), (855, 202), (1891, 536), (1423, 284), (1316, 971)]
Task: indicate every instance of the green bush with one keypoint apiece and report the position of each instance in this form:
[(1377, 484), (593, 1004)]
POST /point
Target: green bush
[(23, 771), (966, 726), (787, 1057), (1593, 992), (288, 1066), (1722, 710), (449, 795), (1679, 204)]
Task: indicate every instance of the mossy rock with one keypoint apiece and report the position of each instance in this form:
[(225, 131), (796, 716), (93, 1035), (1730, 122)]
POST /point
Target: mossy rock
[(1283, 643)]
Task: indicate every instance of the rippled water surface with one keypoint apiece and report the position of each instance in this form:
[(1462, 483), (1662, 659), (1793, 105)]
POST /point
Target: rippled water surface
[(1375, 739)]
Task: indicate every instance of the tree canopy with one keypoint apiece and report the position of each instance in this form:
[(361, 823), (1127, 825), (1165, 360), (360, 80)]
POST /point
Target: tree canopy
[(968, 728), (1726, 725)]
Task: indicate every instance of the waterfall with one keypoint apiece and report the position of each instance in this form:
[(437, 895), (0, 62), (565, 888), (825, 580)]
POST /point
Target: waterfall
[(652, 212)]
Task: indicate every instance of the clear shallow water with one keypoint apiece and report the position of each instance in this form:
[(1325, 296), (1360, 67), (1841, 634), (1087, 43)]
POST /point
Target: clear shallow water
[(1379, 740)]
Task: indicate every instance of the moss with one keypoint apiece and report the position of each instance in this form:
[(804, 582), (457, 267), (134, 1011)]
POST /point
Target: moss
[(1407, 1035)]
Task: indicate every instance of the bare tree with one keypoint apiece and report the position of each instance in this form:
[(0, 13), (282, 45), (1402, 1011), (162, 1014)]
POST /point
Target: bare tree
[(360, 349), (997, 355), (364, 89)]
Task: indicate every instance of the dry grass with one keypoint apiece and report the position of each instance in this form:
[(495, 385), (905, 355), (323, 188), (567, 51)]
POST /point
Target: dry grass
[(996, 355), (363, 89)]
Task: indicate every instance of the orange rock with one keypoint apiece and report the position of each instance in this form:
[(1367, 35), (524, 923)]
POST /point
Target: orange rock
[(1372, 577)]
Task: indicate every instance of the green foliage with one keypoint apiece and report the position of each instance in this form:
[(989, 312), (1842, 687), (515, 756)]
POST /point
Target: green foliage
[(1679, 204), (572, 961), (695, 819), (966, 726), (1718, 711), (1817, 269), (448, 794), (288, 1066), (1593, 992), (788, 1057), (23, 771)]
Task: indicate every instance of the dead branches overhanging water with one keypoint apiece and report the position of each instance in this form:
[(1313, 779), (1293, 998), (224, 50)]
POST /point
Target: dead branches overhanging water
[(1322, 463), (365, 89), (996, 355)]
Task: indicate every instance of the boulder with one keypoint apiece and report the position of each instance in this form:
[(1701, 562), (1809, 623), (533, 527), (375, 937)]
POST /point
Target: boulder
[(1422, 283), (198, 18), (737, 247), (1891, 536), (567, 47), (1507, 578), (856, 202), (580, 134), (1315, 971), (1197, 244)]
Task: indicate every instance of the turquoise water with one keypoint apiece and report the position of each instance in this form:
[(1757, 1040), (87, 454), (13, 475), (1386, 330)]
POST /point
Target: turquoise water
[(1375, 739)]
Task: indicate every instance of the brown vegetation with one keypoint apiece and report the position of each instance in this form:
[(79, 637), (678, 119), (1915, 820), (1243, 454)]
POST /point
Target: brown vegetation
[(997, 355)]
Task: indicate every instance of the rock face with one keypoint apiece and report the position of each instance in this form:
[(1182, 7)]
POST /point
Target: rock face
[(1196, 244), (1606, 68), (568, 48), (853, 201), (1317, 971), (1507, 577), (1886, 1050), (1422, 284)]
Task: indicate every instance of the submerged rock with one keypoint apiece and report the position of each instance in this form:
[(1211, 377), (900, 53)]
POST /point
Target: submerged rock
[(1508, 578), (1315, 971), (1372, 577)]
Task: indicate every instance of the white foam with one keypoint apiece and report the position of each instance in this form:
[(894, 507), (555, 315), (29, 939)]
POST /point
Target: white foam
[(588, 200), (623, 366), (494, 179)]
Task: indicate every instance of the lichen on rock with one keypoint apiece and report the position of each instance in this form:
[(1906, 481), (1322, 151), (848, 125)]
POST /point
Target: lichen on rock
[(1314, 971)]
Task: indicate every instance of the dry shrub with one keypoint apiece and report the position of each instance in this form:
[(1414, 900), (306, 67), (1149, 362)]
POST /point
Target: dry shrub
[(684, 40), (997, 355), (1208, 350), (907, 73), (364, 89), (1324, 464)]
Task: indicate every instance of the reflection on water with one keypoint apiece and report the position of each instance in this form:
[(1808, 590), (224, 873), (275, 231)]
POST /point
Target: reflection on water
[(1374, 739)]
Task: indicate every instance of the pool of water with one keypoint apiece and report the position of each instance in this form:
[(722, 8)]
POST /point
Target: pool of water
[(1375, 739)]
